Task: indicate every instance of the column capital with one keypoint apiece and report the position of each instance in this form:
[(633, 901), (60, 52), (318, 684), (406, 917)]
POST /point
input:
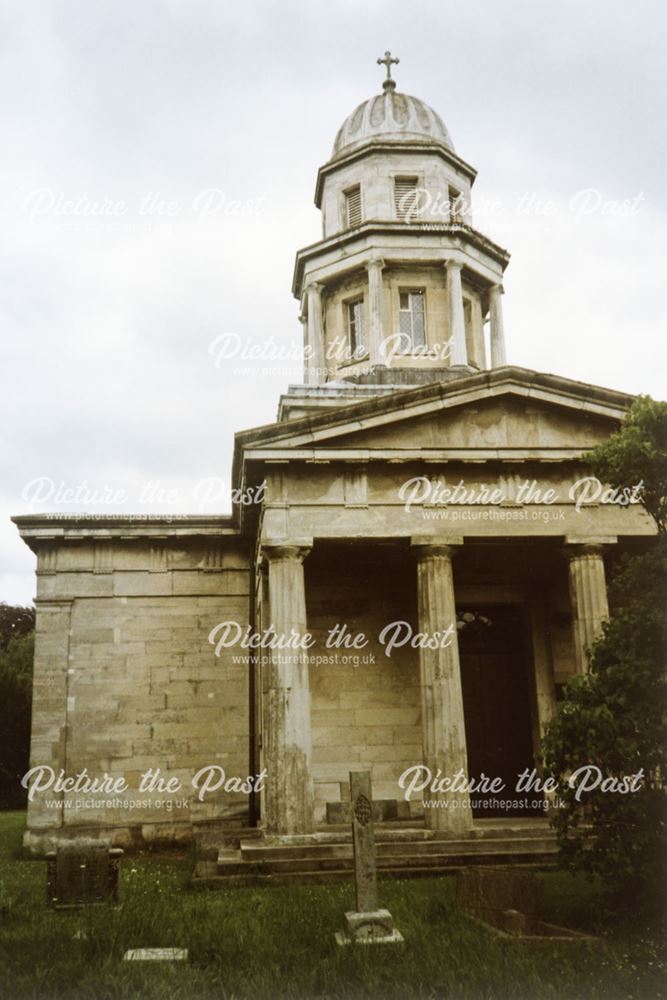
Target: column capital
[(314, 286), (282, 550), (497, 288), (577, 546), (378, 262), (452, 264), (435, 545)]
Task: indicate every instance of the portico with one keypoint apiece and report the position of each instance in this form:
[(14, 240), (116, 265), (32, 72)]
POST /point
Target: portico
[(516, 575), (410, 695)]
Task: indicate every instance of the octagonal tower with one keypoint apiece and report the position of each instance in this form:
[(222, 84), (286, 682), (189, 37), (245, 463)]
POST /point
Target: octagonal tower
[(399, 289)]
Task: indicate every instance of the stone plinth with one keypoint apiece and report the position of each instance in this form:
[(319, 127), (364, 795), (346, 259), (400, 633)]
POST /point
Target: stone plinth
[(376, 927)]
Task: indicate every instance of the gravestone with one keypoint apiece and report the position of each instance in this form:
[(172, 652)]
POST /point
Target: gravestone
[(367, 924), (503, 897), (509, 903), (81, 872), (156, 955)]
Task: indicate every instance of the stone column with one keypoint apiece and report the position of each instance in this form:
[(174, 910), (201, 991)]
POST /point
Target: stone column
[(289, 783), (315, 336), (307, 361), (375, 312), (479, 354), (545, 686), (443, 725), (497, 336), (457, 330), (588, 595)]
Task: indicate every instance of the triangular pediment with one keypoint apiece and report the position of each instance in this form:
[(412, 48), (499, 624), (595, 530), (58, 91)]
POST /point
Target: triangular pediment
[(505, 411), (496, 422)]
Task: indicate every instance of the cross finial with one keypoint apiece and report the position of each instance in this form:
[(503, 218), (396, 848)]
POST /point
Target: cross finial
[(388, 61)]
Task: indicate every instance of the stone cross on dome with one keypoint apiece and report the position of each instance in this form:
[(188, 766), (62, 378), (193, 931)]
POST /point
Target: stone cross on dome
[(388, 61)]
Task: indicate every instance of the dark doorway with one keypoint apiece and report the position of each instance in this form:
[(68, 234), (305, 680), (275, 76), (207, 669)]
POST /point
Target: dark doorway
[(496, 702)]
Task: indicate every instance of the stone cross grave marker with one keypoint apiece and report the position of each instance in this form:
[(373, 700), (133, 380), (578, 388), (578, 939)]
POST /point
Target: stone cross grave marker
[(368, 924)]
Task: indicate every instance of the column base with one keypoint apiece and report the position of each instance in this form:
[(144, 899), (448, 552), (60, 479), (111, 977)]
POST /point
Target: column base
[(455, 822)]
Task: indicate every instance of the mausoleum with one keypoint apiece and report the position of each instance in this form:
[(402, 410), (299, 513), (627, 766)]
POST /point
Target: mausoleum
[(426, 526)]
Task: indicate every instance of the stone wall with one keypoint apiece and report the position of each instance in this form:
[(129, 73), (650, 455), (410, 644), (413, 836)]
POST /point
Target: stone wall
[(126, 680), (376, 172), (364, 716)]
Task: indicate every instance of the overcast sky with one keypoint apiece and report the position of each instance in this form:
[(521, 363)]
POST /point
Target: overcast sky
[(157, 175)]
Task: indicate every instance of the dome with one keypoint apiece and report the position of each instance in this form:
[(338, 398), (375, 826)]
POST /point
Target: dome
[(391, 116)]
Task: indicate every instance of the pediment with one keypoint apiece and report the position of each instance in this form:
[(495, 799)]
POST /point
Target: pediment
[(505, 411), (500, 422)]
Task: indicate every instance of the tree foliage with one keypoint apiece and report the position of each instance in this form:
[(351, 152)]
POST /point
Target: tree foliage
[(613, 716), (638, 453), (16, 657), (15, 620)]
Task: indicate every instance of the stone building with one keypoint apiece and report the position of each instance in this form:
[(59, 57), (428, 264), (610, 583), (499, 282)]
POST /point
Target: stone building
[(407, 394)]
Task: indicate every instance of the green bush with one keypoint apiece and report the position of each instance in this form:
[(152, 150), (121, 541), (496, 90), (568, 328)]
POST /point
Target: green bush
[(613, 716), (16, 657)]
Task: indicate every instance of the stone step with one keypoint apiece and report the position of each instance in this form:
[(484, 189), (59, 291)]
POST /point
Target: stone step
[(472, 846), (323, 878), (389, 832), (297, 865), (241, 873), (331, 859), (247, 856), (481, 828), (254, 852), (211, 836)]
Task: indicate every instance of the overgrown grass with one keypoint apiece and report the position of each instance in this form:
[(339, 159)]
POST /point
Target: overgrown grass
[(277, 941)]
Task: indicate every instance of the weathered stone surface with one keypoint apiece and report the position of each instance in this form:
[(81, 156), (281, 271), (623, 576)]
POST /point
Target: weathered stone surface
[(443, 727), (289, 792), (127, 683), (81, 872), (376, 927), (368, 924), (383, 810), (363, 841), (588, 596), (156, 955)]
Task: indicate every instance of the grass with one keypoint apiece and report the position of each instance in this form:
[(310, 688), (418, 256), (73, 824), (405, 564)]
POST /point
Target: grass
[(277, 942)]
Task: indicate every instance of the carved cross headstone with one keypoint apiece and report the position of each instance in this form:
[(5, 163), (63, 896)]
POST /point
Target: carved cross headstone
[(363, 842), (368, 924)]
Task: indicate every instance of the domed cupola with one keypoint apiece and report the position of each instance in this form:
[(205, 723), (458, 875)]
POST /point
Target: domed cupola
[(401, 285), (391, 116)]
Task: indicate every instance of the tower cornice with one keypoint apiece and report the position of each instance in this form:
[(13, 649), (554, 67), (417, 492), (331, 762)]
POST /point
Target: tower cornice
[(345, 241), (392, 146)]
